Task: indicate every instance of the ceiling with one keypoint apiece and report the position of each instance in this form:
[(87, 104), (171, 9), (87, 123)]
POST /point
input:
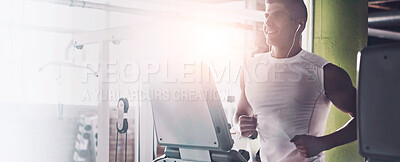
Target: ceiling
[(384, 8)]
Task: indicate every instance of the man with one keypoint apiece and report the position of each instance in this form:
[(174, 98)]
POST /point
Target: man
[(287, 93)]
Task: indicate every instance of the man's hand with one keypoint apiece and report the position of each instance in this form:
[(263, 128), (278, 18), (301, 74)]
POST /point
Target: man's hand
[(247, 125), (308, 146)]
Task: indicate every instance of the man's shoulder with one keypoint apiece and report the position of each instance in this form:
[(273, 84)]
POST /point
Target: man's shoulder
[(333, 71), (315, 59)]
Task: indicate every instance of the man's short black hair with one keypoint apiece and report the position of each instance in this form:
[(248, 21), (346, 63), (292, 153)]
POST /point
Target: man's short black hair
[(296, 8)]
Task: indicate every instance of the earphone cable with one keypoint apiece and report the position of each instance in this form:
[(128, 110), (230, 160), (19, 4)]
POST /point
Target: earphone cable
[(294, 37)]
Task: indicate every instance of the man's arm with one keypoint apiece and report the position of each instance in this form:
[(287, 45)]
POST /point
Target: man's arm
[(243, 107), (339, 89), (247, 123)]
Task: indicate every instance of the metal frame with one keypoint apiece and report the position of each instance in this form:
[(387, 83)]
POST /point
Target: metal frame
[(104, 113), (384, 34), (308, 37), (374, 2)]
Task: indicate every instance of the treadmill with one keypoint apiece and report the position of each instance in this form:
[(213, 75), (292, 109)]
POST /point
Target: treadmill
[(378, 99), (190, 121)]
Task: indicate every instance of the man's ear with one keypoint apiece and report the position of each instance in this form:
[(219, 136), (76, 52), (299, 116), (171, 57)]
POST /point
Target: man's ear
[(302, 23)]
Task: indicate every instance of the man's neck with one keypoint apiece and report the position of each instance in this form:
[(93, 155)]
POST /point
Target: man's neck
[(279, 53)]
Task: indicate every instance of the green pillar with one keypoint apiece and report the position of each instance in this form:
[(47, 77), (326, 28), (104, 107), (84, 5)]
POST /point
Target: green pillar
[(340, 31)]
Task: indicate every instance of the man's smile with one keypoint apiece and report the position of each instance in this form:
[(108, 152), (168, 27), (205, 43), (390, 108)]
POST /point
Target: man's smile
[(271, 31)]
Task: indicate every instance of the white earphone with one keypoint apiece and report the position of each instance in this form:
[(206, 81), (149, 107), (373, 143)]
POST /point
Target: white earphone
[(294, 37)]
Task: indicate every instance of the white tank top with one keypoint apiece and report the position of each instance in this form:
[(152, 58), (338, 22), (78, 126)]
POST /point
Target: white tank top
[(288, 97)]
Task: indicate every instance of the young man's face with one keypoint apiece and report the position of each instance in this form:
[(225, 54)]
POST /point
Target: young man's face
[(279, 27)]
